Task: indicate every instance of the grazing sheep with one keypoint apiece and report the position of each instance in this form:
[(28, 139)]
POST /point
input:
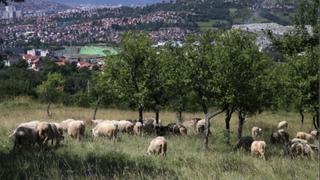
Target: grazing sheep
[(258, 149), (298, 140), (183, 130), (279, 137), (256, 132), (151, 120), (301, 149), (306, 136), (31, 124), (191, 123), (148, 126), (76, 129), (64, 124), (125, 126), (173, 128), (97, 121), (57, 133), (315, 134), (283, 125), (105, 130), (45, 132), (244, 142), (161, 130), (158, 146), (24, 136), (138, 128)]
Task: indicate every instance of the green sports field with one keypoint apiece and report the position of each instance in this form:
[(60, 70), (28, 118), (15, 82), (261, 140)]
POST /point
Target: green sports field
[(97, 50)]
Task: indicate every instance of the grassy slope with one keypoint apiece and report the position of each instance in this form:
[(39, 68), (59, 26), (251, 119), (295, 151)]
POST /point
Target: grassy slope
[(125, 158)]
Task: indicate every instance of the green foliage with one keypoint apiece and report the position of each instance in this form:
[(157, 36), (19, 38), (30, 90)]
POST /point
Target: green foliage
[(51, 89), (18, 82), (177, 76), (127, 71), (201, 68), (241, 73), (304, 72)]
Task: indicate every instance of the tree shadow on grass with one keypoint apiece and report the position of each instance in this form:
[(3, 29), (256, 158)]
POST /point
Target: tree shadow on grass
[(51, 165)]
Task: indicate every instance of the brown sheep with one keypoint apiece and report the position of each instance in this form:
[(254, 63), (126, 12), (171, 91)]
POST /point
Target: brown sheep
[(258, 149), (183, 130), (76, 129), (45, 132), (105, 129), (256, 132), (283, 125), (158, 146), (138, 128), (305, 136), (301, 149)]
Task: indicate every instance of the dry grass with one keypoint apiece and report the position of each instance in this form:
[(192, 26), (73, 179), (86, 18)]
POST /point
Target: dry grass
[(186, 159)]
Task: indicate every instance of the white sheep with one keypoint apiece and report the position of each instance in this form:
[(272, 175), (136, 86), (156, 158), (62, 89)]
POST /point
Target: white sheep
[(256, 132), (283, 125), (138, 128), (76, 129), (158, 146), (105, 129), (258, 149), (64, 124), (305, 136)]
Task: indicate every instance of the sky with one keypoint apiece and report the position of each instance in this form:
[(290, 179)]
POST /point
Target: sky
[(106, 2)]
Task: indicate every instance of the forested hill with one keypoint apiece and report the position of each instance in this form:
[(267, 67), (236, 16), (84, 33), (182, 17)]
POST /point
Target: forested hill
[(225, 13)]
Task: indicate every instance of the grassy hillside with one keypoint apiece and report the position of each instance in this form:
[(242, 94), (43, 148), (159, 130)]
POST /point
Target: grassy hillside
[(126, 158)]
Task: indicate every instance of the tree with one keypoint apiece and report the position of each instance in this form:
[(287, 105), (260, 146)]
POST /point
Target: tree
[(178, 82), (300, 51), (102, 91), (127, 70), (304, 72), (51, 89), (201, 68), (157, 81), (242, 76)]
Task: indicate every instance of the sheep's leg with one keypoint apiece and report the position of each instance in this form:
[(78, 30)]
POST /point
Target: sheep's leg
[(45, 141)]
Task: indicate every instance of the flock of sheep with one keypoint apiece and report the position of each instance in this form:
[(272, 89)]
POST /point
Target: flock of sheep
[(301, 145), (39, 132)]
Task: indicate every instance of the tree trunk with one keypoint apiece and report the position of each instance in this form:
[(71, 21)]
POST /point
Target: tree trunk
[(141, 115), (242, 118), (207, 131), (302, 117), (157, 116), (180, 116), (48, 110), (227, 121), (96, 109), (206, 127), (316, 121)]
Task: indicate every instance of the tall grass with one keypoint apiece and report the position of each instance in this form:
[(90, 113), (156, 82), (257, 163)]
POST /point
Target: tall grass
[(104, 159)]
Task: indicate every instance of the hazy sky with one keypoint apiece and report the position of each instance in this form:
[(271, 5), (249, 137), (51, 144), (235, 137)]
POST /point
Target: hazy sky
[(104, 2)]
